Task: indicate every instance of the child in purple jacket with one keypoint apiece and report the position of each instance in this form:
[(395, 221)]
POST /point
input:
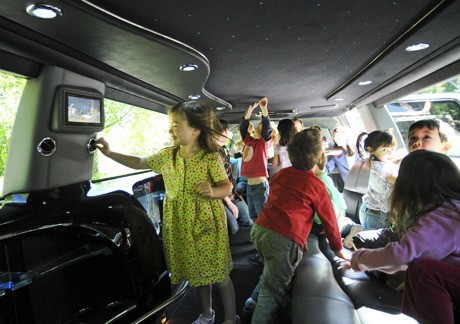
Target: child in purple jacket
[(425, 208)]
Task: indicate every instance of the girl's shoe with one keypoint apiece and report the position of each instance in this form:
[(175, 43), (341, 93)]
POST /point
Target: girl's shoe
[(204, 320)]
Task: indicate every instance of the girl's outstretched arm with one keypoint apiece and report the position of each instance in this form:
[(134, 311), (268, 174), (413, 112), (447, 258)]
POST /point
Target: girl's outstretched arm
[(130, 161)]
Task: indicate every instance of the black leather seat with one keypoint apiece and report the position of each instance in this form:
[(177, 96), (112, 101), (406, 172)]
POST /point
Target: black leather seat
[(316, 296), (325, 292), (66, 257)]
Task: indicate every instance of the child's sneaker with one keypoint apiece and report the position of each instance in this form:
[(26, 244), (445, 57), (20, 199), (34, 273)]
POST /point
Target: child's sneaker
[(249, 305), (204, 320), (348, 241)]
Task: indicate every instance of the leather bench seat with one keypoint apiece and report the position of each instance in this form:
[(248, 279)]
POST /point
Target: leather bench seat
[(316, 296), (324, 292)]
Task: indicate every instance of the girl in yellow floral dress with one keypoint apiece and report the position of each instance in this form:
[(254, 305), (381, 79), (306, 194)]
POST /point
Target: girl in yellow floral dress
[(194, 222)]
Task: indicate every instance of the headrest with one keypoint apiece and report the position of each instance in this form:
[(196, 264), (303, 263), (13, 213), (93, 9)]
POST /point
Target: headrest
[(358, 177)]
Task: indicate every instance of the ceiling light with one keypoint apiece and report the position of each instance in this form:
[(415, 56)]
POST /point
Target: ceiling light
[(362, 83), (43, 11), (417, 47), (194, 97), (188, 67), (339, 99), (220, 108)]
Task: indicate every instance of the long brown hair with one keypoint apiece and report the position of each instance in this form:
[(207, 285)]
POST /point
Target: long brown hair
[(199, 117), (426, 180)]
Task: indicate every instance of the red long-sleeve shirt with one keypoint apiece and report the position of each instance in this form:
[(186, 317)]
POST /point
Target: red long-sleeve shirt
[(294, 197)]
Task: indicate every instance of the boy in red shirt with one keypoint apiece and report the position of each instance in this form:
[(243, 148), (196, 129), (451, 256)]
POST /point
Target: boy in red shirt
[(280, 232), (255, 158)]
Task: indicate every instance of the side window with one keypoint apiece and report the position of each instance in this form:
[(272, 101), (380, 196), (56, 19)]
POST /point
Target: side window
[(11, 88), (441, 102), (130, 130)]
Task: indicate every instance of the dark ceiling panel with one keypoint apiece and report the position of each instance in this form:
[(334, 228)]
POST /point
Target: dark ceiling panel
[(300, 54)]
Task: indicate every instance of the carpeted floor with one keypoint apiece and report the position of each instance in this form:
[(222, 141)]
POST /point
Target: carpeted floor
[(244, 275)]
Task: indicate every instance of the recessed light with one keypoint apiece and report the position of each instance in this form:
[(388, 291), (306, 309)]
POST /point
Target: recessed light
[(339, 99), (194, 97), (43, 11), (417, 47), (220, 108), (365, 82), (188, 67)]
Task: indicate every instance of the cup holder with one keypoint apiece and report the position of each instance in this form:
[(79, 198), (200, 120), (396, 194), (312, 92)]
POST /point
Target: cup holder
[(91, 146), (46, 147)]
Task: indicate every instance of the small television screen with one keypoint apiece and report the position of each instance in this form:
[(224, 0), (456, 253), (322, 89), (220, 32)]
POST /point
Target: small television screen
[(83, 110)]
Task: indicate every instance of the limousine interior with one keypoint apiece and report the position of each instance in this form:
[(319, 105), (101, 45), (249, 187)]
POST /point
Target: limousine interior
[(75, 248)]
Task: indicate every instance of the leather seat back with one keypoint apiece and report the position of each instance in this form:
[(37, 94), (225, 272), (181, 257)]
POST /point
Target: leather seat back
[(355, 188)]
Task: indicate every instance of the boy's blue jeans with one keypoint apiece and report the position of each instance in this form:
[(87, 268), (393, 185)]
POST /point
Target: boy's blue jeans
[(257, 196), (281, 257)]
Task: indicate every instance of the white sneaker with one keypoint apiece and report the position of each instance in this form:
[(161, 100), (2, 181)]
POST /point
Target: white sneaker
[(348, 241), (204, 320)]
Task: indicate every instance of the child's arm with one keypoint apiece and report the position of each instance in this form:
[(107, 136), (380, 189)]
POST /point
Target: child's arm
[(391, 178), (130, 161), (221, 190), (275, 160), (251, 108), (231, 206), (266, 131), (244, 125)]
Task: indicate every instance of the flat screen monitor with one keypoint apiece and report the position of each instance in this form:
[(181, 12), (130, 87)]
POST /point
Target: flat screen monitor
[(78, 110), (83, 110)]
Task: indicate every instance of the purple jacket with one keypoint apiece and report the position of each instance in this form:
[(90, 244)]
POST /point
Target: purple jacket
[(436, 235)]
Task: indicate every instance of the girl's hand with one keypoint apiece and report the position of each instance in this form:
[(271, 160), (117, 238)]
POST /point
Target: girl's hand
[(341, 255), (204, 189), (103, 146), (233, 209)]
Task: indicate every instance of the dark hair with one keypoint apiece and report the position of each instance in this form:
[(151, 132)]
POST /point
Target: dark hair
[(305, 148), (374, 140), (431, 124), (286, 129), (202, 118), (363, 154), (426, 180)]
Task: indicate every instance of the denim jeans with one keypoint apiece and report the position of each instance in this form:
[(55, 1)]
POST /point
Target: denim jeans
[(372, 220), (281, 257), (233, 224), (257, 196)]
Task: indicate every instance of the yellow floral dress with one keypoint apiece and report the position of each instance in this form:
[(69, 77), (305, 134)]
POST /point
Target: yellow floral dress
[(194, 227)]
